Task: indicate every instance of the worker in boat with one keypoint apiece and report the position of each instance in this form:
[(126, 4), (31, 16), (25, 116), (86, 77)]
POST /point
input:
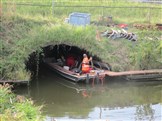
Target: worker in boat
[(85, 64), (71, 61)]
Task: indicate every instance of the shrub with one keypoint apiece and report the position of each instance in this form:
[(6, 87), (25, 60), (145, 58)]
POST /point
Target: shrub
[(17, 108)]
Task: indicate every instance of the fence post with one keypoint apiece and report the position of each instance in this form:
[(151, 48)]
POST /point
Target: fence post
[(149, 16), (53, 3), (102, 10)]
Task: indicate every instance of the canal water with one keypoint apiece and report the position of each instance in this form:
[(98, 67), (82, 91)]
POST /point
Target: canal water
[(115, 100)]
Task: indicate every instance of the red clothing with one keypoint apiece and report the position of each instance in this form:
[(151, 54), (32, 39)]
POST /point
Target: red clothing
[(70, 61)]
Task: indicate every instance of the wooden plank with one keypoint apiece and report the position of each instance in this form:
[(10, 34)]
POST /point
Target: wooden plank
[(14, 81), (126, 73), (148, 76)]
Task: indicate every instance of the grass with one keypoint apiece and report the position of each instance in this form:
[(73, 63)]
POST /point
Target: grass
[(17, 108), (26, 29), (127, 14)]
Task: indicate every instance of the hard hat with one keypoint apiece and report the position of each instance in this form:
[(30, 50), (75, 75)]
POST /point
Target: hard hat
[(84, 55)]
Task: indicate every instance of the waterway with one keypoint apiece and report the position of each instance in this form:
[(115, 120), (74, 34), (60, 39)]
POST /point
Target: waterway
[(115, 100)]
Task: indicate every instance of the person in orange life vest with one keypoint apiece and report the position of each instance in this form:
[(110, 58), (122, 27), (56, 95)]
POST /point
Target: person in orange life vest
[(85, 64)]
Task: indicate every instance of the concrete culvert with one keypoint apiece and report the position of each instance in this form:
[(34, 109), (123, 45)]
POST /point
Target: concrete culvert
[(62, 51)]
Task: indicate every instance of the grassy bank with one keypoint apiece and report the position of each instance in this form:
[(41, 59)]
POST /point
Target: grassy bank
[(121, 10), (26, 29), (17, 108)]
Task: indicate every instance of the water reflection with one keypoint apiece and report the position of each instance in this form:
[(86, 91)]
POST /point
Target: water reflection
[(145, 110), (136, 101)]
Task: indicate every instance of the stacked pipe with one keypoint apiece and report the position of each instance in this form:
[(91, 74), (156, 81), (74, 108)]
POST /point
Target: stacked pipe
[(114, 34)]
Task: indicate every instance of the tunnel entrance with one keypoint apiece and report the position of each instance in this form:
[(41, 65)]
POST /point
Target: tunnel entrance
[(35, 61), (65, 50)]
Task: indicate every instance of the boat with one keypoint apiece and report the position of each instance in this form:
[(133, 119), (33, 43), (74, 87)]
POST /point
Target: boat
[(72, 74)]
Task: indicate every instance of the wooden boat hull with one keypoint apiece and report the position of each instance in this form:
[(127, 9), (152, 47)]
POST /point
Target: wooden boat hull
[(72, 75)]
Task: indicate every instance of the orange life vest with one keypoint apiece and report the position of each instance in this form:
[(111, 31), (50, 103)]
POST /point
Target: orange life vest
[(85, 65)]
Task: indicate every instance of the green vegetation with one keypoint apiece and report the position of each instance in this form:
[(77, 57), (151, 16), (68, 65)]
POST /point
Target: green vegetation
[(121, 10), (148, 52), (26, 29), (17, 108)]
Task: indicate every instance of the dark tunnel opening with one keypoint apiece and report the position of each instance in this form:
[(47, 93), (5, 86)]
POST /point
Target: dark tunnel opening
[(35, 62)]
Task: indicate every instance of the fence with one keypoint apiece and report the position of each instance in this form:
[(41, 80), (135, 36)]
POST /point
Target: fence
[(120, 12)]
